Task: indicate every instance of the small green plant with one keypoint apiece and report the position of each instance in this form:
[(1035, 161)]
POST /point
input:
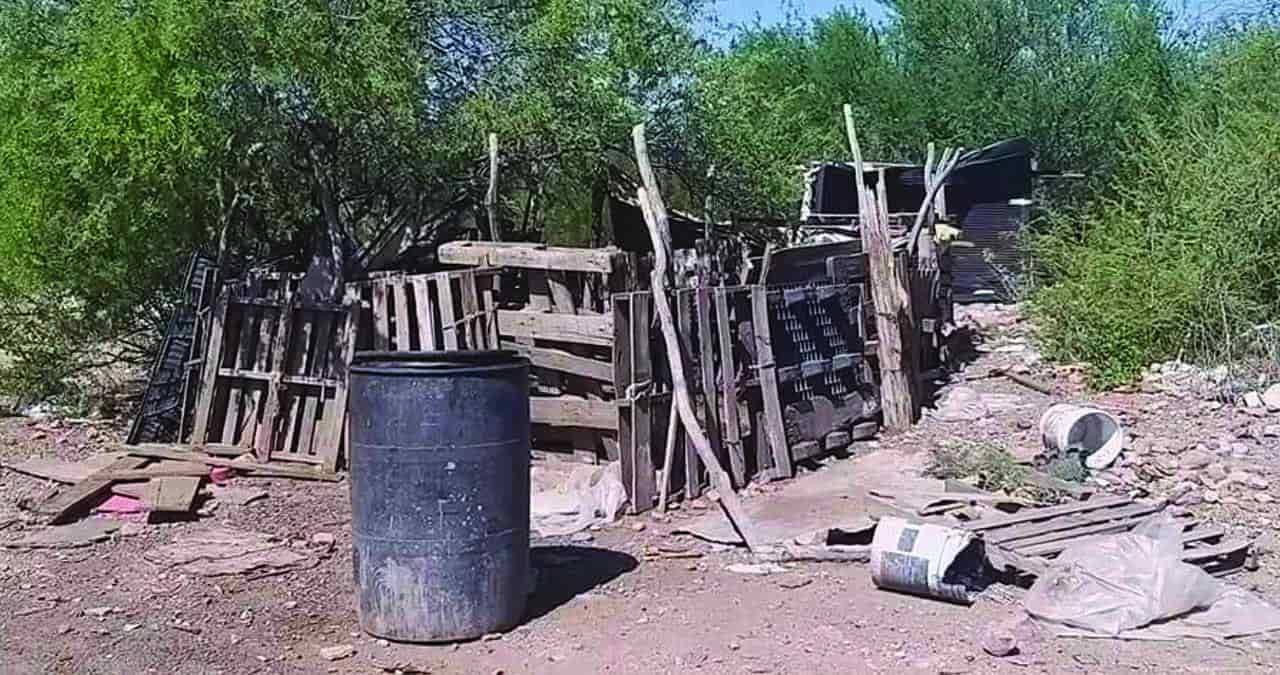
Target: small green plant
[(986, 465)]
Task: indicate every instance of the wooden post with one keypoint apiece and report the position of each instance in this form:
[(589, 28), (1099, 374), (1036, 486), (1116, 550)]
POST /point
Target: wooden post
[(886, 292), (655, 216), (491, 198)]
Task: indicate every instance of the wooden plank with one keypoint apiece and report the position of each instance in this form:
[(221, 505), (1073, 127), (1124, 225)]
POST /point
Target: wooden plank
[(381, 337), (171, 495), (401, 335), (242, 358), (470, 301), (1229, 547), (539, 291), (1110, 527), (520, 254), (769, 384), (584, 329), (185, 454), (82, 495), (707, 369), (561, 295), (562, 361), (279, 364), (329, 439), (1029, 515), (490, 313), (571, 411), (426, 319), (1008, 535), (61, 471), (262, 359), (645, 485), (1189, 536), (692, 463), (729, 391), (315, 351), (448, 320), (209, 375)]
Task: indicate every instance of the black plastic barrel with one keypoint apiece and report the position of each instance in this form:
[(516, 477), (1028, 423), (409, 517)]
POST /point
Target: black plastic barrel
[(440, 492)]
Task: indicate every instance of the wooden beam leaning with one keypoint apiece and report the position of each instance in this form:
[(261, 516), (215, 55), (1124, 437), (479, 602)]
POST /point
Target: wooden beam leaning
[(655, 216), (491, 197), (580, 329), (532, 256)]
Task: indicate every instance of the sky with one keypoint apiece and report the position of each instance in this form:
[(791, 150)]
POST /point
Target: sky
[(738, 12)]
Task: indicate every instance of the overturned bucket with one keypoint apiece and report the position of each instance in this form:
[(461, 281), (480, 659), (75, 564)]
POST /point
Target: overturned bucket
[(930, 560), (1066, 428)]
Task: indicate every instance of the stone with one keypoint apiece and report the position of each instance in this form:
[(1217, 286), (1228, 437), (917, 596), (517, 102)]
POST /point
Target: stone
[(1191, 497), (1209, 496), (1181, 490), (1215, 472), (337, 652), (581, 537), (1239, 450), (1271, 431), (1258, 482), (1253, 400), (99, 612), (638, 527), (1263, 498), (1194, 460), (1271, 398), (323, 539)]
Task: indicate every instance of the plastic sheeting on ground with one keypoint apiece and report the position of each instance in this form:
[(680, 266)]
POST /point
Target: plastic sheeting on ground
[(592, 495), (1136, 586)]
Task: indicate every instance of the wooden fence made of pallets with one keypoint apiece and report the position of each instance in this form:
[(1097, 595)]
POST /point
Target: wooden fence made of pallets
[(274, 378)]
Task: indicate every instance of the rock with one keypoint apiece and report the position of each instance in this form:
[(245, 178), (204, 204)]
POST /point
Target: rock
[(1271, 398), (1215, 472), (1210, 496), (337, 652), (1181, 490), (1194, 460), (638, 527), (1239, 450), (1253, 400), (323, 539), (99, 612), (1263, 498), (581, 537), (1271, 430), (1258, 482), (130, 627), (1191, 497)]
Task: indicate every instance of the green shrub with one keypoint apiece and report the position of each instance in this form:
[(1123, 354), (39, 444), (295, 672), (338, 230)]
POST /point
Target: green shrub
[(1184, 260)]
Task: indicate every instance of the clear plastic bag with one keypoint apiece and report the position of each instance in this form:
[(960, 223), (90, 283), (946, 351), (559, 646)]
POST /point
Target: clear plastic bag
[(1117, 585)]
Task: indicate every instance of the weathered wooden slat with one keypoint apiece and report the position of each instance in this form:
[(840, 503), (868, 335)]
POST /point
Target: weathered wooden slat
[(684, 322), (470, 301), (536, 256), (562, 361), (1029, 515), (622, 380), (209, 375), (82, 495), (569, 411), (279, 362), (1226, 548), (381, 329), (561, 295), (490, 310), (292, 380), (769, 384), (1007, 535), (185, 453), (729, 391), (1189, 536), (329, 439), (316, 353), (583, 329), (426, 317), (448, 320), (403, 320), (707, 338), (174, 494)]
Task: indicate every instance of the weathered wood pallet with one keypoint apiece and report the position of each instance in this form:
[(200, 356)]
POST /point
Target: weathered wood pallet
[(1043, 533), (427, 312), (274, 378)]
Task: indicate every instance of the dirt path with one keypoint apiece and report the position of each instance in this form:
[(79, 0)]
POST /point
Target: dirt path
[(600, 606)]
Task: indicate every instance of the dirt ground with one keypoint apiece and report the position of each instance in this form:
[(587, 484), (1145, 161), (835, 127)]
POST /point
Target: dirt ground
[(607, 604)]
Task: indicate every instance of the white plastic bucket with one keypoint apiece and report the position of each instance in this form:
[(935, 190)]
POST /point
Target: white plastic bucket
[(1095, 434), (917, 558)]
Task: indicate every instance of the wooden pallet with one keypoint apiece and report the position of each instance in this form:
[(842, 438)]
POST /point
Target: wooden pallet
[(1043, 533), (274, 379), (427, 312)]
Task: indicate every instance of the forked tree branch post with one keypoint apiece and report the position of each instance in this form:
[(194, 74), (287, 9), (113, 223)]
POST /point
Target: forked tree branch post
[(491, 197), (655, 217), (890, 299)]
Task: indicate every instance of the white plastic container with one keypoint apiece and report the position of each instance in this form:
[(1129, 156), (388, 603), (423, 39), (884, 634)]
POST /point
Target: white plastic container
[(1095, 434), (917, 558)]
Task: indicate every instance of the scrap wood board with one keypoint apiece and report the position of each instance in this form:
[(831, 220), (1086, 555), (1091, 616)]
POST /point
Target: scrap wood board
[(1046, 532)]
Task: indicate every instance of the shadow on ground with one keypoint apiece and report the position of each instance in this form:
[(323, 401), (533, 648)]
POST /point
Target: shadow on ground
[(567, 571)]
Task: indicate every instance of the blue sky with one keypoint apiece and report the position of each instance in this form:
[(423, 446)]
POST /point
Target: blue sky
[(738, 12)]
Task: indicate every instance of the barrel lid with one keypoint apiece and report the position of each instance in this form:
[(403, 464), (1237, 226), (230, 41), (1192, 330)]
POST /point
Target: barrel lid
[(436, 359)]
